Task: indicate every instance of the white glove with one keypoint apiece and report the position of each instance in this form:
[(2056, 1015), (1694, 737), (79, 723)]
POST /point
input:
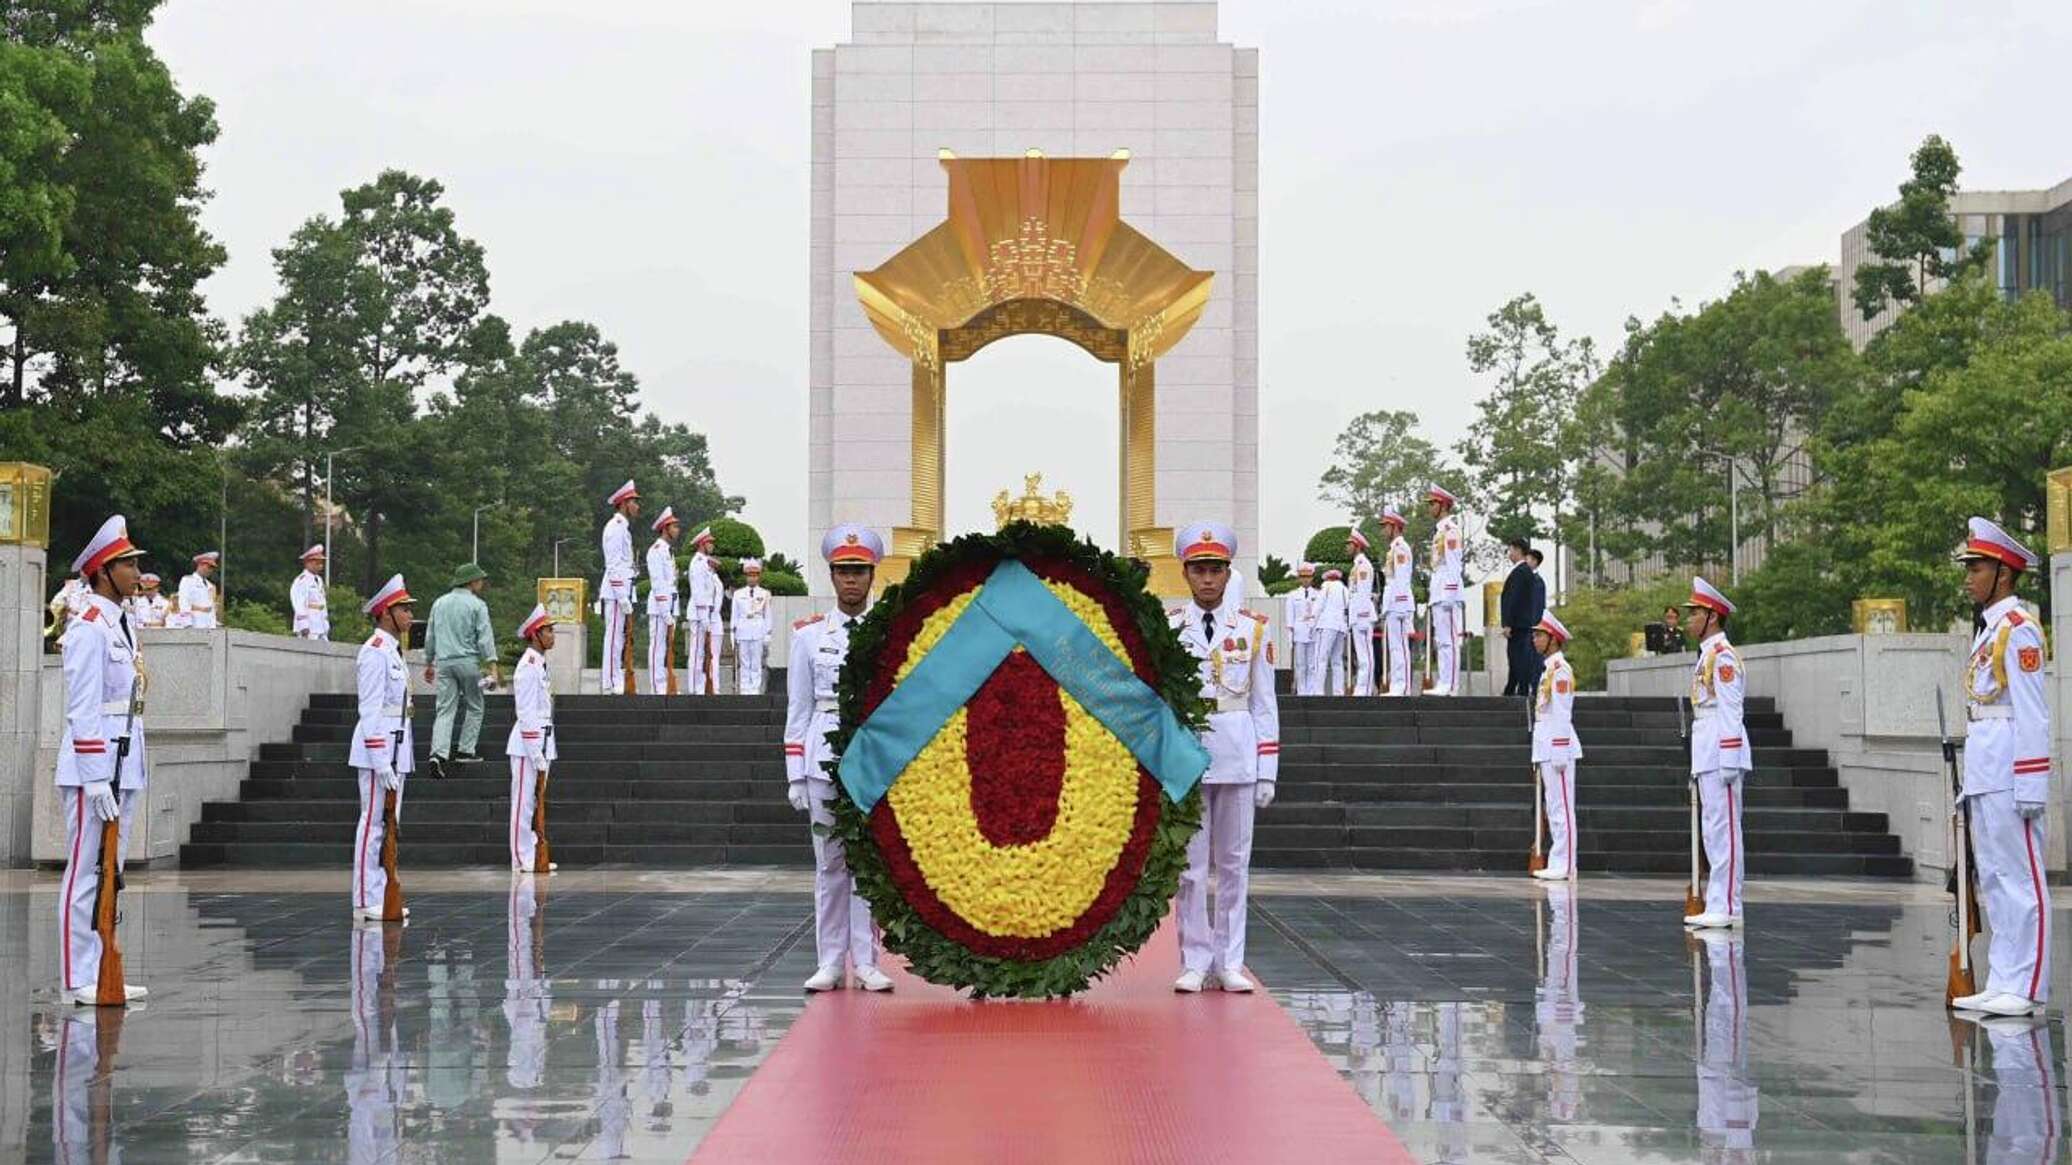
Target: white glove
[(798, 796), (101, 795), (392, 781), (1262, 794), (2030, 810)]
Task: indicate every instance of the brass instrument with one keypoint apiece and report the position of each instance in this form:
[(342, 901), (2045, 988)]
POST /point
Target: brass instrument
[(59, 605)]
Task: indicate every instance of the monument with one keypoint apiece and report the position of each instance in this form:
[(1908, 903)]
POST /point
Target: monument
[(1087, 171)]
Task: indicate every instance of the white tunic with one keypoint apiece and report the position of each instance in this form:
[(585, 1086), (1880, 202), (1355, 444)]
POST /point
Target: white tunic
[(661, 572), (706, 587), (101, 665), (532, 698), (1717, 686), (1332, 606), (148, 610), (751, 613), (197, 602), (811, 686), (1244, 733), (1554, 722), (306, 598), (1397, 598), (1305, 603), (384, 695), (1360, 590), (2007, 745), (618, 561), (1446, 562)]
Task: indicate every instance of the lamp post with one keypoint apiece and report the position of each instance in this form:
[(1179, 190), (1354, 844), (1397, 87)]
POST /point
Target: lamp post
[(557, 553), (329, 455), (1733, 512), (475, 548)]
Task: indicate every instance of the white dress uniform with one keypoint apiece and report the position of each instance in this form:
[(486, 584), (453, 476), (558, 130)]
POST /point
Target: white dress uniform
[(661, 603), (842, 927), (614, 1114), (384, 748), (528, 993), (1327, 644), (1558, 1006), (1361, 613), (702, 615), (1727, 1096), (148, 608), (2028, 1115), (1448, 601), (531, 743), (2007, 765), (1305, 603), (102, 763), (1556, 748), (307, 600), (198, 596), (380, 1067), (1243, 740), (1398, 606), (751, 619), (1720, 756), (615, 594)]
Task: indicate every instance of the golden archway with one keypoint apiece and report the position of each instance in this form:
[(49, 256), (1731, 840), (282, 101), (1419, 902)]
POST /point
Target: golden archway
[(1036, 245)]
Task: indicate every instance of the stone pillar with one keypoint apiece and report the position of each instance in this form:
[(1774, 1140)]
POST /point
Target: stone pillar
[(2061, 706), (1496, 660), (22, 614)]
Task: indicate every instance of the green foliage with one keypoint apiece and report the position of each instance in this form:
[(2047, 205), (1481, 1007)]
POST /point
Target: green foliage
[(1272, 570), (1282, 586), (1602, 621), (249, 615), (735, 539), (1796, 594), (1915, 242), (783, 582), (1520, 466), (776, 562), (348, 623), (1380, 459), (1328, 546)]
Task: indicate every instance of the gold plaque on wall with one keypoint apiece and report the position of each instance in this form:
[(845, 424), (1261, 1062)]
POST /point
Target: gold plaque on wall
[(1878, 616), (2058, 509), (24, 503), (564, 598)]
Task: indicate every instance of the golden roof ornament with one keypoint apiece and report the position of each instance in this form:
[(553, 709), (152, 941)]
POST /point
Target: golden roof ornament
[(1032, 506)]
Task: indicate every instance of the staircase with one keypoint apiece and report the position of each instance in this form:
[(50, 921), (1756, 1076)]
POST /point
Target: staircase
[(1419, 784)]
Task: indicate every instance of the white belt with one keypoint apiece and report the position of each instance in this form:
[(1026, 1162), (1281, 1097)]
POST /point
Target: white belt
[(120, 708), (828, 705), (1239, 703), (1700, 715), (1990, 712), (394, 711)]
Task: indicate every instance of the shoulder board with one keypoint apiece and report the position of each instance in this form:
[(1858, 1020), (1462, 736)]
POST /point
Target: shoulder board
[(92, 613), (2014, 618), (806, 622), (1174, 613), (376, 641), (1252, 615)]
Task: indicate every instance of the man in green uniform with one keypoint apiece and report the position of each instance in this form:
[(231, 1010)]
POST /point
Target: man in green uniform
[(457, 641)]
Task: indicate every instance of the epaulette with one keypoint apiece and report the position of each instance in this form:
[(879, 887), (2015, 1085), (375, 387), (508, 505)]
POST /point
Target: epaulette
[(2014, 618), (92, 613), (1174, 612), (375, 642), (1252, 615), (806, 622)]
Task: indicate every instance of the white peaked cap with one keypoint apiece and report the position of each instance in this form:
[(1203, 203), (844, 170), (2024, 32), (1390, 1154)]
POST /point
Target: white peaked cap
[(623, 492), (1704, 594), (849, 542), (533, 622), (391, 593), (109, 543), (1205, 542)]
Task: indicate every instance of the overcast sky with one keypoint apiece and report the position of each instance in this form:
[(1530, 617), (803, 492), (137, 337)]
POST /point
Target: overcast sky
[(643, 164)]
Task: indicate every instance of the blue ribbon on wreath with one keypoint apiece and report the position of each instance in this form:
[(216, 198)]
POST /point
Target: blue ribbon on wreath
[(1013, 609)]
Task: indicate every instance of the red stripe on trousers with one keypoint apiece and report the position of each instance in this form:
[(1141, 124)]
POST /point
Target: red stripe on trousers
[(72, 873), (1733, 845), (367, 831), (1568, 805), (517, 803), (2042, 907)]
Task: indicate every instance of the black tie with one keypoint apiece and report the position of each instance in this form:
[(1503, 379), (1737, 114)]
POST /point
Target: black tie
[(1208, 629), (128, 638)]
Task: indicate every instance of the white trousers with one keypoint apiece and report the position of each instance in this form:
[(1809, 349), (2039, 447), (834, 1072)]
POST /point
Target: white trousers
[(1558, 795), (1446, 621), (2010, 854), (2028, 1124), (1719, 820), (618, 626), (1363, 658), (1728, 1101), (1298, 667), (841, 918), (1327, 664), (1397, 627), (748, 665), (1224, 842), (79, 946), (659, 651), (525, 783), (704, 645), (370, 881)]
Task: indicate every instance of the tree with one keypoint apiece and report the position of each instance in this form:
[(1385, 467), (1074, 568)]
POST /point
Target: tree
[(1379, 460), (1520, 468), (1916, 241), (1272, 569)]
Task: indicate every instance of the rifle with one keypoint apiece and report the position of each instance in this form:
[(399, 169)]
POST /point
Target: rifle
[(541, 855), (626, 645), (1694, 902), (1538, 860), (709, 650), (1426, 686), (392, 888), (1961, 881), (109, 989), (669, 656)]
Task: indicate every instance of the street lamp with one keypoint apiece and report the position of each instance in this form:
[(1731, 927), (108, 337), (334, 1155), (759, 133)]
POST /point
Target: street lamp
[(328, 456), (557, 553), (475, 550), (1733, 511)]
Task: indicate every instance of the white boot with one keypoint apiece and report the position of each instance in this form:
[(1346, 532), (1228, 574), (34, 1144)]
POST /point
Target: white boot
[(872, 979), (2008, 1003), (1189, 982), (1550, 874), (90, 996), (1234, 982), (825, 979), (373, 914), (1971, 1002)]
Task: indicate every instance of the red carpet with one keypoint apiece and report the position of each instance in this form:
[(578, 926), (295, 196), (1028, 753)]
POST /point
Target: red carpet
[(1129, 1072)]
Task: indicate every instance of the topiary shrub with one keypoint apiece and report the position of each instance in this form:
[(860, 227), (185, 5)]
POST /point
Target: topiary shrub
[(733, 538)]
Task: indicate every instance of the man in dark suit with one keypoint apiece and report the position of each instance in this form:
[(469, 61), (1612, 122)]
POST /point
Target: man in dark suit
[(1519, 613), (1535, 559)]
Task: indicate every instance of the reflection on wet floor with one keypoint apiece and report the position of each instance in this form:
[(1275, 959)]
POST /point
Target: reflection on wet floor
[(616, 1022)]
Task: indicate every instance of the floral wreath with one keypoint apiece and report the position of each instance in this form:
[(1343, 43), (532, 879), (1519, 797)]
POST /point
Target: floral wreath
[(1024, 850)]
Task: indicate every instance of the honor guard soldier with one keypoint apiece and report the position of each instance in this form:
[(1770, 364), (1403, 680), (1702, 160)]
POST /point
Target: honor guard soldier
[(306, 597), (842, 928), (2007, 769), (1304, 605), (197, 594), (751, 618), (661, 601), (102, 767), (1448, 603), (703, 615), (1556, 748), (384, 749), (1362, 612), (1398, 603), (1327, 644), (531, 743), (1243, 740), (148, 608), (1720, 755), (615, 594)]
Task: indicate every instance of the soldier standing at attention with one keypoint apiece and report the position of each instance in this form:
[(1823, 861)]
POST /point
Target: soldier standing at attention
[(703, 616), (1448, 604), (1720, 756), (2007, 773), (197, 594), (842, 930), (306, 597), (1327, 644), (751, 629), (615, 593), (1243, 740), (1303, 607), (1398, 603), (148, 608), (661, 601), (1361, 614), (531, 744), (384, 748), (1556, 748)]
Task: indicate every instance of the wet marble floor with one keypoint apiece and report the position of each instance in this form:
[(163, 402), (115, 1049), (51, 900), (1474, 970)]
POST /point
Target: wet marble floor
[(613, 1015)]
